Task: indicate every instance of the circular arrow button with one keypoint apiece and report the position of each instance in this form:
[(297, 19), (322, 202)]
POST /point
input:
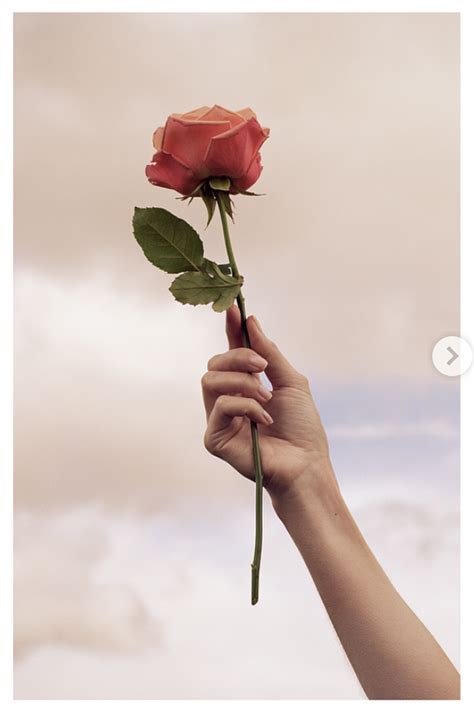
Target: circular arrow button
[(452, 356)]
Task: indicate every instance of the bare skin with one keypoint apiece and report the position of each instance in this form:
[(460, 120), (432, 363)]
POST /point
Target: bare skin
[(393, 654)]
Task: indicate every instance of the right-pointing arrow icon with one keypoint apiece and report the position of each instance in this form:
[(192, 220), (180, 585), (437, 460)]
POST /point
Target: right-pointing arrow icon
[(454, 356)]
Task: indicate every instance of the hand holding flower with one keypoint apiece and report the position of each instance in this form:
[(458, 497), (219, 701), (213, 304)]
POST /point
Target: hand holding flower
[(294, 447)]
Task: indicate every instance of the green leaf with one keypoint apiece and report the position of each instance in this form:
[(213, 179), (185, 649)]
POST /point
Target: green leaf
[(168, 242), (203, 288), (210, 203), (220, 183)]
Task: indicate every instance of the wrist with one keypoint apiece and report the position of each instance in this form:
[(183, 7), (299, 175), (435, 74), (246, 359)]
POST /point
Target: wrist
[(313, 503), (316, 486)]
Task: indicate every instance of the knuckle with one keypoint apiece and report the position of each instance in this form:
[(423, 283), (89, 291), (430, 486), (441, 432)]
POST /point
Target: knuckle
[(207, 379), (221, 402), (303, 380), (243, 353), (208, 442), (249, 405), (211, 363)]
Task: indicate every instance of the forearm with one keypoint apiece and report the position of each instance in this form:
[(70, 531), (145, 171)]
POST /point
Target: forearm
[(391, 651)]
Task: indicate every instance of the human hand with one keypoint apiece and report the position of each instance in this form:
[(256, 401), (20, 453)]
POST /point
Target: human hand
[(293, 444)]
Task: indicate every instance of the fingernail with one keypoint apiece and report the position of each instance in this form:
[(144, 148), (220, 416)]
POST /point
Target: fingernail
[(257, 323), (267, 417), (264, 392), (257, 362)]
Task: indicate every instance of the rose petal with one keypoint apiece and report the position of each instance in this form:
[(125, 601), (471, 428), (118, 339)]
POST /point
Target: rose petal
[(166, 171), (251, 176), (219, 113), (232, 153), (158, 138), (196, 113), (189, 140), (247, 113)]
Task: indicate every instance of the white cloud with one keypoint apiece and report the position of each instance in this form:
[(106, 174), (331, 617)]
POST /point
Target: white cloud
[(59, 597), (188, 573), (107, 386), (127, 335)]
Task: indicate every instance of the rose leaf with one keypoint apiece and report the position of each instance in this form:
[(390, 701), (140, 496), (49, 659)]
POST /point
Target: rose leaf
[(168, 242), (203, 288)]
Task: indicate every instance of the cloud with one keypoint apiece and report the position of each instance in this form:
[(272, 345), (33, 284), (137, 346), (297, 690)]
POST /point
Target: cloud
[(105, 397), (158, 607), (107, 388), (359, 223), (60, 599)]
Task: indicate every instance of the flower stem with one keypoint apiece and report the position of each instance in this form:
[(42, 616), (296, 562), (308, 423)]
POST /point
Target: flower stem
[(253, 426)]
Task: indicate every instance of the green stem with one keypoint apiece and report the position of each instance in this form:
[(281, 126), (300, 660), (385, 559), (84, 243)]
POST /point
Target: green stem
[(257, 555)]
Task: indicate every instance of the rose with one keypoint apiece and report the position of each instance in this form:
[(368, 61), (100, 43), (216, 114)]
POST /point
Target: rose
[(208, 153), (205, 143)]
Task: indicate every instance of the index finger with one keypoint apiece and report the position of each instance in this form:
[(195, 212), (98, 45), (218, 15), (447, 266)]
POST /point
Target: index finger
[(233, 327)]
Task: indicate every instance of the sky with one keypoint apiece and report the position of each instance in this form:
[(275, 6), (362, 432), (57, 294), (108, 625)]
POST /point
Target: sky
[(133, 544)]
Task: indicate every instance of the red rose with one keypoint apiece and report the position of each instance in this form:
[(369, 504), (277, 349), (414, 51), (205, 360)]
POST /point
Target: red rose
[(207, 142)]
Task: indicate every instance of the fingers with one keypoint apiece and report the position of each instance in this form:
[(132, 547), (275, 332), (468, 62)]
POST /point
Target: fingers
[(216, 383), (279, 370), (233, 327), (228, 407), (240, 359), (264, 354)]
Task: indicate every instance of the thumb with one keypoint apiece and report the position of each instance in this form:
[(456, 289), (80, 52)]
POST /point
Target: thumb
[(279, 370), (233, 327)]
